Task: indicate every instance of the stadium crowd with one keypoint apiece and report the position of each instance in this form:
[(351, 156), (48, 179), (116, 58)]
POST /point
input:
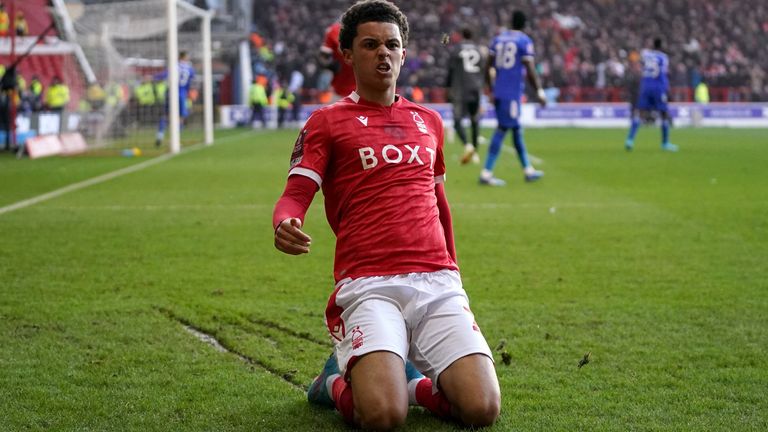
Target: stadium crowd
[(586, 49)]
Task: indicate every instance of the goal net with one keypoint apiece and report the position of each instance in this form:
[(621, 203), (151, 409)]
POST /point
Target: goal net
[(127, 50)]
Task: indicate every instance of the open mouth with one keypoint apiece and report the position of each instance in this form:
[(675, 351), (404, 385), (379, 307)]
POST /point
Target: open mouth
[(384, 67)]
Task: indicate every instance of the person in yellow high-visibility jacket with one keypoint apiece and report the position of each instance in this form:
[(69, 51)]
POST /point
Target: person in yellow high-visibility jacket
[(5, 21), (36, 89), (20, 24), (701, 93), (285, 99), (146, 98), (115, 95), (258, 98), (57, 96)]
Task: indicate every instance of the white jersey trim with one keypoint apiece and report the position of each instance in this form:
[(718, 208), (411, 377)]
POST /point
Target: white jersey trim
[(307, 173), (440, 179), (354, 96)]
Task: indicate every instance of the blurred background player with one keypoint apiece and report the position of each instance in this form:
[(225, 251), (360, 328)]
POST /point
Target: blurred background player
[(654, 88), (186, 75), (343, 82), (511, 60), (465, 84)]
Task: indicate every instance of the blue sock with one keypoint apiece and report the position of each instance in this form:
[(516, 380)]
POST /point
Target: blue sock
[(517, 139), (495, 148), (665, 131), (633, 128), (161, 128)]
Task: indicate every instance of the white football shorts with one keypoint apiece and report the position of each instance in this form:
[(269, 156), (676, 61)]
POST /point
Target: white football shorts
[(423, 317)]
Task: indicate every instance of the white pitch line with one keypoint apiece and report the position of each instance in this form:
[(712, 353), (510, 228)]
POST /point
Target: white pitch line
[(101, 179), (165, 207), (507, 205), (84, 184)]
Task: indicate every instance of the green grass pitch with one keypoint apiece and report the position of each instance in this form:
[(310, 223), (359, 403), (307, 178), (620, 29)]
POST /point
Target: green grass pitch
[(655, 263)]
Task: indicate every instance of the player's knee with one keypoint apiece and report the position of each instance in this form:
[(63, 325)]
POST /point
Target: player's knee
[(481, 411), (383, 416)]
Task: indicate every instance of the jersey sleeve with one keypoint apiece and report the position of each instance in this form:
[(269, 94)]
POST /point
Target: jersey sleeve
[(527, 48), (312, 149)]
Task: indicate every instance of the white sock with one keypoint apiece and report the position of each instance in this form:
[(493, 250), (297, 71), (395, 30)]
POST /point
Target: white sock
[(412, 391), (486, 174), (329, 384)]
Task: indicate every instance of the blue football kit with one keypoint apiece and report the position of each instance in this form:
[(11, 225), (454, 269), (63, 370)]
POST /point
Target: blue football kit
[(186, 76), (652, 96), (508, 50), (654, 84)]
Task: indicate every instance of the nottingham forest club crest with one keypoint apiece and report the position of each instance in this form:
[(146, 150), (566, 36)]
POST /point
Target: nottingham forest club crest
[(298, 149), (419, 122)]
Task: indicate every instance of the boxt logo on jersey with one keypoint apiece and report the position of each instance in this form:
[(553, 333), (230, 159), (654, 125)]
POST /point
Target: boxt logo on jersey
[(392, 154), (419, 122)]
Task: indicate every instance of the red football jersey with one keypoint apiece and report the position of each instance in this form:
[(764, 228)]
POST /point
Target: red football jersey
[(343, 82), (378, 167)]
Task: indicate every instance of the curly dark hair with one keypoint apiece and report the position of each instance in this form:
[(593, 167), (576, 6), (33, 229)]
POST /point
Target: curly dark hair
[(518, 20), (371, 11)]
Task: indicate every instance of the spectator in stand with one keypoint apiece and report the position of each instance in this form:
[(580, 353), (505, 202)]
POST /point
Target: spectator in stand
[(36, 92), (24, 96), (95, 96), (296, 86), (21, 87), (20, 24), (575, 37), (57, 95), (5, 21)]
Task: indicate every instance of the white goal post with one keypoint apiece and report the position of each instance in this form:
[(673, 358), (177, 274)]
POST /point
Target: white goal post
[(173, 73)]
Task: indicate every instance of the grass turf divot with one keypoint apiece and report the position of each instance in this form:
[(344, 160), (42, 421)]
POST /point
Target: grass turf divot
[(221, 347)]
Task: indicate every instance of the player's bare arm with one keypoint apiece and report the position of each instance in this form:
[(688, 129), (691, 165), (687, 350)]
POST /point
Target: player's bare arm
[(533, 78), (490, 73)]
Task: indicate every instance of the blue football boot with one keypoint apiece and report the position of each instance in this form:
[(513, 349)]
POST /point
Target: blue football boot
[(317, 394), (669, 147)]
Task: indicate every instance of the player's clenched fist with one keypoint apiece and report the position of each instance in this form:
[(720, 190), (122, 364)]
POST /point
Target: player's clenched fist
[(289, 237)]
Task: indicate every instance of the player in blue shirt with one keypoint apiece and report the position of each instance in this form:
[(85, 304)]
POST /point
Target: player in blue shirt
[(654, 87), (511, 57), (186, 75)]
